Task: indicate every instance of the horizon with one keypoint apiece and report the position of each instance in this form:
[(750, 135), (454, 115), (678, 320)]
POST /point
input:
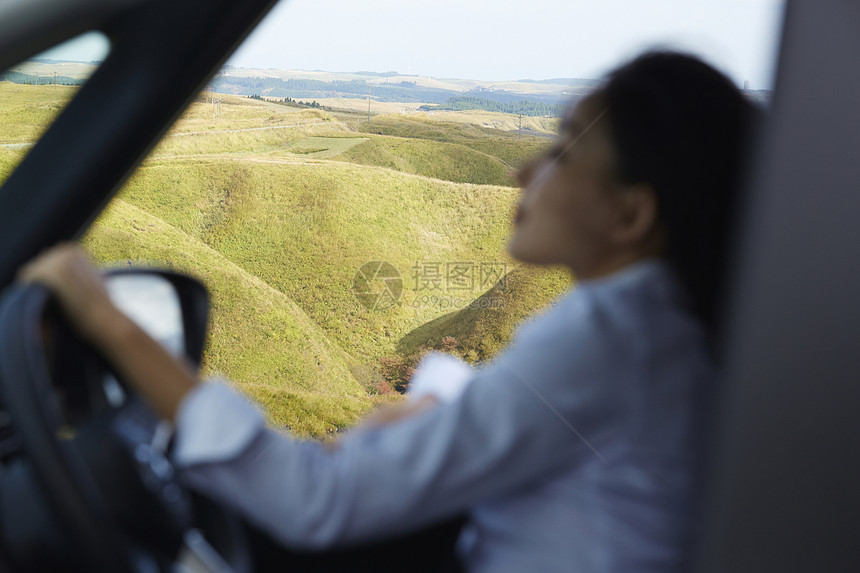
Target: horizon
[(394, 73), (738, 37)]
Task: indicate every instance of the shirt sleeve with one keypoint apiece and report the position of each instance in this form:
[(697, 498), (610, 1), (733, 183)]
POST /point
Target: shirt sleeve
[(541, 406), (214, 424), (441, 375)]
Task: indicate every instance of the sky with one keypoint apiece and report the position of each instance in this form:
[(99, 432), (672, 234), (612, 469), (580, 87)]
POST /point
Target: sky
[(513, 39), (498, 40)]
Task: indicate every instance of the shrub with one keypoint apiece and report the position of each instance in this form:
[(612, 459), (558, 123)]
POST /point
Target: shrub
[(382, 388), (396, 371), (449, 344)]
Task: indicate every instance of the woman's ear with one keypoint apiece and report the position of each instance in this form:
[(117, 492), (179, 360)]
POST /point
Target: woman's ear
[(636, 216)]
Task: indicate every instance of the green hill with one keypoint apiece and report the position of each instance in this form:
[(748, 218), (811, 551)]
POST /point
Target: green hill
[(306, 229), (277, 208), (9, 158), (258, 337), (508, 147), (25, 111), (486, 326), (436, 159)]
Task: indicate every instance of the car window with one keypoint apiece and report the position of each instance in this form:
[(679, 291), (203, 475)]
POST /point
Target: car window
[(34, 92), (348, 202)]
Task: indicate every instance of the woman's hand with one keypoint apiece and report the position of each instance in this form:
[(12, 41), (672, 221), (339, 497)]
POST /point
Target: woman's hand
[(388, 415), (392, 414), (68, 272)]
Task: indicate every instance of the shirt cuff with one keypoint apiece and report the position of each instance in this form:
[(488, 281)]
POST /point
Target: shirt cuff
[(440, 375), (214, 423)]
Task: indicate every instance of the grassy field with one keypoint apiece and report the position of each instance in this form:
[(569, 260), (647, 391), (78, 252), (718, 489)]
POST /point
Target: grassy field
[(25, 111), (236, 112), (258, 336), (277, 208), (508, 147), (336, 217), (483, 328), (324, 147), (440, 160), (546, 126)]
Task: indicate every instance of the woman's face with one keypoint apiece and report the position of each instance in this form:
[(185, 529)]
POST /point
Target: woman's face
[(568, 207)]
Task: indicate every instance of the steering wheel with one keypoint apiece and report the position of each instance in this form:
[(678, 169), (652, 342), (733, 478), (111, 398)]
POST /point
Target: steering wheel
[(101, 465)]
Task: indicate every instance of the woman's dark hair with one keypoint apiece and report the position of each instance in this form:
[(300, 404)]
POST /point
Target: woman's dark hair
[(684, 128)]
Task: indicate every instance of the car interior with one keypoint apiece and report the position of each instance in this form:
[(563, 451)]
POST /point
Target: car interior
[(782, 484)]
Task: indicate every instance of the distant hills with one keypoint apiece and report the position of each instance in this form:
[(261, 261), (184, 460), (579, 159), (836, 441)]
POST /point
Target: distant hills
[(529, 97), (540, 98), (535, 98)]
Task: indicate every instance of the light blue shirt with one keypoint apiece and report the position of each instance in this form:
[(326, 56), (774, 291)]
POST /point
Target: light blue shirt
[(573, 450)]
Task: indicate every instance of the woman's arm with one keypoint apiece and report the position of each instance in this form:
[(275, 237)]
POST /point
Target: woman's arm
[(161, 379), (512, 427), (537, 409)]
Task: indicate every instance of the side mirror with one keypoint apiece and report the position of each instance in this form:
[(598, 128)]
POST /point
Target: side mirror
[(172, 308)]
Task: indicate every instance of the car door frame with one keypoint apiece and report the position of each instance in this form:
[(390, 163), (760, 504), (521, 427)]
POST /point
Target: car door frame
[(163, 52)]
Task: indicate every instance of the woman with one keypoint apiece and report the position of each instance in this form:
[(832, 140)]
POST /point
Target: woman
[(577, 448)]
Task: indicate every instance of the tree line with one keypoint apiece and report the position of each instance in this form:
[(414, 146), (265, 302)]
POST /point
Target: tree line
[(288, 101), (317, 89), (33, 80), (403, 92)]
